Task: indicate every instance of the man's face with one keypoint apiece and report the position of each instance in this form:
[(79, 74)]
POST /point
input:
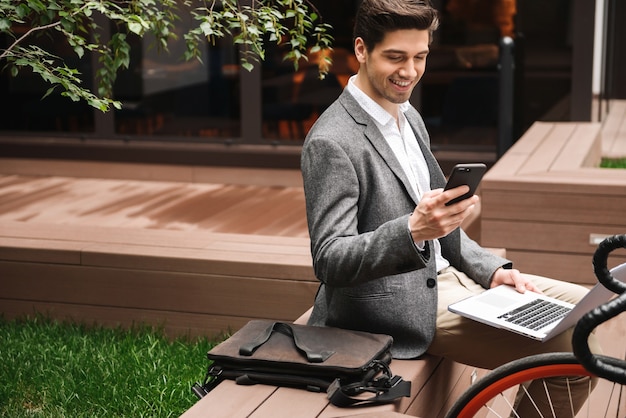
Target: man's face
[(390, 72)]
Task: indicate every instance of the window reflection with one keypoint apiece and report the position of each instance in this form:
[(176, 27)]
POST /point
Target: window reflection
[(459, 92), (162, 94), (293, 100), (168, 98), (29, 110)]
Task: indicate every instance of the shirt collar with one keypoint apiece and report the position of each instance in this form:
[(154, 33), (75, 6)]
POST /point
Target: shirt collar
[(372, 108)]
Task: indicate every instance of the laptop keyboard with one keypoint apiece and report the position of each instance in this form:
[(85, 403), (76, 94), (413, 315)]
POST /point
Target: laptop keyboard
[(536, 314)]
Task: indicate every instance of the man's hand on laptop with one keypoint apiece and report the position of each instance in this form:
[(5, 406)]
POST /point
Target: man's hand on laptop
[(512, 277)]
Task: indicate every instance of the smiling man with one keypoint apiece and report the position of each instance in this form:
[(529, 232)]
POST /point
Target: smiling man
[(388, 251)]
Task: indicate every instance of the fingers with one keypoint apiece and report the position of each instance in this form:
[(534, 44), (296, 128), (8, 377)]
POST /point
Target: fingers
[(432, 219), (514, 278), (437, 199), (452, 194), (527, 285), (521, 282)]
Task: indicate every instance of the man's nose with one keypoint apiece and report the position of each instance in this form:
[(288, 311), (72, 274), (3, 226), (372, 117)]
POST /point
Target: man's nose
[(408, 70)]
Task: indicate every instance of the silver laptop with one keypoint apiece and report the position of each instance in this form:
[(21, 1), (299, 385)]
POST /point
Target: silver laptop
[(532, 314)]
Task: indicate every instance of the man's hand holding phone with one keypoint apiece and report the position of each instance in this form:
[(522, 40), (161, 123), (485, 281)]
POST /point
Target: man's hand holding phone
[(433, 217)]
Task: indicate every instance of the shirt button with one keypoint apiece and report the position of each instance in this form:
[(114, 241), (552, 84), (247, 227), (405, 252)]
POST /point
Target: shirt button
[(431, 283)]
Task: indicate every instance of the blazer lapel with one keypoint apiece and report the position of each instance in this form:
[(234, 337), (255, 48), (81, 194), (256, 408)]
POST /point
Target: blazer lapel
[(373, 135), (437, 180)]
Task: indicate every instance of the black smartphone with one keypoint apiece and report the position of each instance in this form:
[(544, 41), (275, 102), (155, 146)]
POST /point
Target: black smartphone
[(469, 174)]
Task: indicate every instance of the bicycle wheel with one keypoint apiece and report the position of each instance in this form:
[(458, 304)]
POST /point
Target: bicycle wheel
[(494, 394)]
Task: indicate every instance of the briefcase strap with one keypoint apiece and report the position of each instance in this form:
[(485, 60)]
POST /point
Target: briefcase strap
[(386, 388), (339, 398), (286, 329)]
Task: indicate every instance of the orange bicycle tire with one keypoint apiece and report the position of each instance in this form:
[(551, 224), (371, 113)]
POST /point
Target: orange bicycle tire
[(513, 374)]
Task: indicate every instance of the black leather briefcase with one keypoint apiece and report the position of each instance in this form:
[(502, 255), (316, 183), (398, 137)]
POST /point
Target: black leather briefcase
[(352, 367)]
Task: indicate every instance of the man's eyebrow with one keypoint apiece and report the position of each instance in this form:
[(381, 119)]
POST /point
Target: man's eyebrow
[(402, 52)]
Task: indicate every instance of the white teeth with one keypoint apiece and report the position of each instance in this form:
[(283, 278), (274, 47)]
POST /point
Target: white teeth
[(401, 83)]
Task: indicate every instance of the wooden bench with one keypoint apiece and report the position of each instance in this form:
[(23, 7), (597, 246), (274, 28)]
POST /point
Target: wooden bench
[(435, 385), (196, 282), (549, 204), (196, 250)]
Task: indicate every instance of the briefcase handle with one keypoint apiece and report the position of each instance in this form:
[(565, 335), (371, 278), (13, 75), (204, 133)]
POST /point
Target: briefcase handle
[(285, 329)]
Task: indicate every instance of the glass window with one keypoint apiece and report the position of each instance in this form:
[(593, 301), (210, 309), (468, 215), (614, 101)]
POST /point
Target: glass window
[(29, 110), (459, 92), (167, 98), (293, 100), (164, 95)]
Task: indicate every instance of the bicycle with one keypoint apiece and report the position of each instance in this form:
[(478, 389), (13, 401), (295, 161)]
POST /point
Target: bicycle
[(495, 393)]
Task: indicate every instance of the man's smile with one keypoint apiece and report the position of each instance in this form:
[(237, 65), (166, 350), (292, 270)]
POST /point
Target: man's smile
[(400, 83)]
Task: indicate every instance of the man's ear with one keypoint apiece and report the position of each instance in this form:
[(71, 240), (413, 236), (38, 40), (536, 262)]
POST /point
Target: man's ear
[(360, 51)]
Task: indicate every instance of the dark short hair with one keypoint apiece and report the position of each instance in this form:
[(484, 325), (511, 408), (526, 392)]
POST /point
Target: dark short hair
[(375, 18)]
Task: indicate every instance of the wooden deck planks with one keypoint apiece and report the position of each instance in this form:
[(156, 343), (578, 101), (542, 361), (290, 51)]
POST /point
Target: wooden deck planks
[(118, 251), (605, 400), (153, 205), (546, 200)]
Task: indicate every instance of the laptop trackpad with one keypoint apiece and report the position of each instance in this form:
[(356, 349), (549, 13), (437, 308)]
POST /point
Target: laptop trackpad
[(497, 301)]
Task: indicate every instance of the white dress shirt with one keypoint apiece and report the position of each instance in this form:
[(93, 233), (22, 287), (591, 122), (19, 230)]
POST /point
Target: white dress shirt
[(401, 138)]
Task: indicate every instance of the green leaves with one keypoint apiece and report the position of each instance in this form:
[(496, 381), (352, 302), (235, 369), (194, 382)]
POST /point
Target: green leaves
[(294, 24)]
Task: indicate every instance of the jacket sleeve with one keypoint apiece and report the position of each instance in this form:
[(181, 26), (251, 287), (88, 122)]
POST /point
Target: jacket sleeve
[(478, 262), (342, 254)]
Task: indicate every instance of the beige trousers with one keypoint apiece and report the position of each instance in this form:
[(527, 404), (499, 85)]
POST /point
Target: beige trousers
[(470, 342)]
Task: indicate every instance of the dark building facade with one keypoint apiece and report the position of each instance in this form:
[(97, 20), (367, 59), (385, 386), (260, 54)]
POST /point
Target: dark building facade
[(180, 112)]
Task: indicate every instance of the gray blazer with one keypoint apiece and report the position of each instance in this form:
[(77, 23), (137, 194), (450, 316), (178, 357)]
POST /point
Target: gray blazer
[(358, 202)]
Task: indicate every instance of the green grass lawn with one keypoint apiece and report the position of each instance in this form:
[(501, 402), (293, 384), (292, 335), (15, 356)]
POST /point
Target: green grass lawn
[(52, 369)]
